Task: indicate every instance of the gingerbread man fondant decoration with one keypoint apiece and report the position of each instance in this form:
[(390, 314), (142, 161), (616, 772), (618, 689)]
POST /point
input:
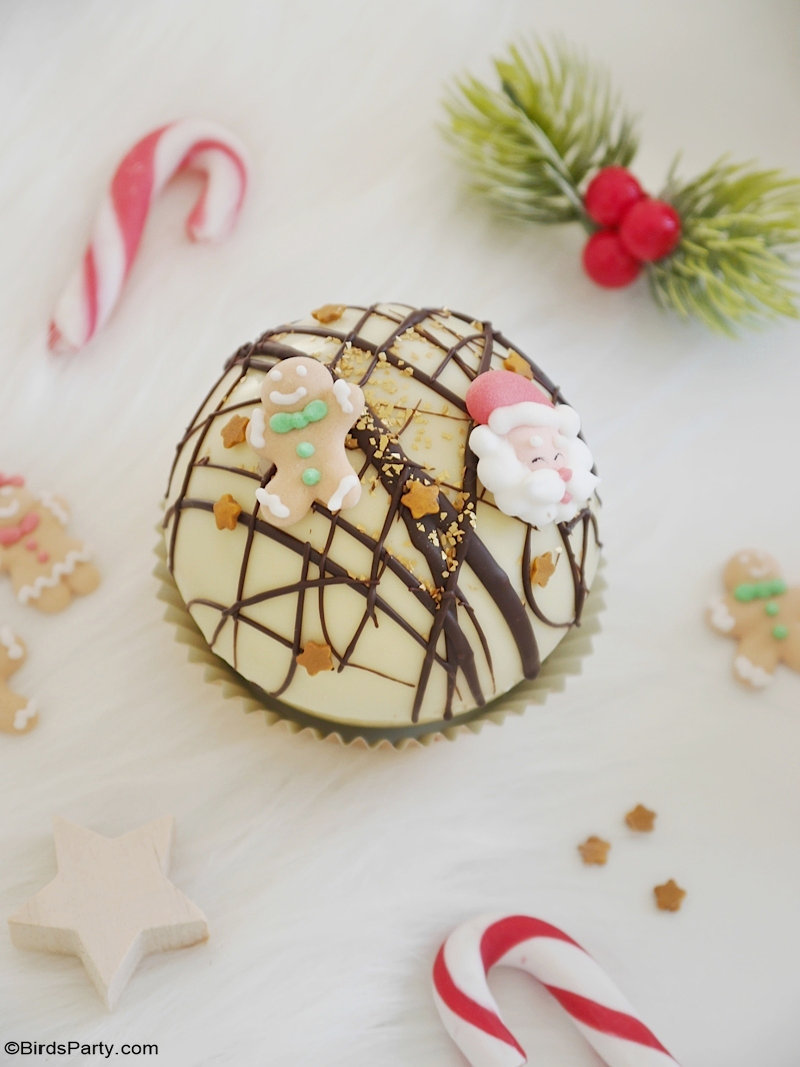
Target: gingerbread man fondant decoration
[(762, 613), (17, 715), (300, 427), (47, 567)]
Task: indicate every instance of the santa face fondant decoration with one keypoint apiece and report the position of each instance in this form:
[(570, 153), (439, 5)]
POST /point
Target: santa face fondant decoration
[(529, 453)]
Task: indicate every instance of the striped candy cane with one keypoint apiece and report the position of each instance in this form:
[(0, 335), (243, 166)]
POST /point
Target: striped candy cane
[(94, 288), (597, 1008)]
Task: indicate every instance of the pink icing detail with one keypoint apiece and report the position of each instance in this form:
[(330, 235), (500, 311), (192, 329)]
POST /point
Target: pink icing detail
[(12, 479), (43, 557), (500, 388), (32, 545), (566, 473), (10, 535)]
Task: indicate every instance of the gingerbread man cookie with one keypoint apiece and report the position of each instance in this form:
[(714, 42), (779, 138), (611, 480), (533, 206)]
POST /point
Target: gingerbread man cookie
[(762, 613), (300, 427), (17, 715), (46, 566)]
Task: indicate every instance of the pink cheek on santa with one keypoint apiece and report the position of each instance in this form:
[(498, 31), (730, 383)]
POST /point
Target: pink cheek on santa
[(566, 473)]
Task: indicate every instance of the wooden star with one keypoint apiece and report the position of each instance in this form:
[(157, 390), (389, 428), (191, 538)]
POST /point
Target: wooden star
[(110, 904), (329, 313), (594, 850), (514, 362), (641, 819), (669, 896), (421, 499), (226, 512), (542, 568), (315, 658), (234, 431)]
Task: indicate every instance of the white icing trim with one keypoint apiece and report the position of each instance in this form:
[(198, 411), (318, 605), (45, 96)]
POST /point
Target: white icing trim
[(719, 616), (750, 673), (24, 715), (273, 503), (255, 429), (301, 371), (345, 485), (48, 501), (288, 398), (341, 390), (59, 571), (12, 509), (528, 413), (275, 374), (9, 641)]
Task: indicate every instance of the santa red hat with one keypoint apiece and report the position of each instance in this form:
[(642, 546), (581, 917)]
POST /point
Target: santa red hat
[(503, 400)]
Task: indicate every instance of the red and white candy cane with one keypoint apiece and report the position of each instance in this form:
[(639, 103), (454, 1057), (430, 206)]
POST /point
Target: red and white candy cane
[(597, 1007), (189, 144)]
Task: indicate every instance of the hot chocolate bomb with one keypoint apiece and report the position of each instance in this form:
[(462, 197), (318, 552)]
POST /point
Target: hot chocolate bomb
[(330, 533)]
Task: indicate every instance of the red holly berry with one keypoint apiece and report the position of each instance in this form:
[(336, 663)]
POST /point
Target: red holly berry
[(650, 230), (609, 195), (607, 261)]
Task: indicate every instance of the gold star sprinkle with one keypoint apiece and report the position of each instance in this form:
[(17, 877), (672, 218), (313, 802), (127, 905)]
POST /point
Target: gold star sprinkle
[(514, 362), (329, 313), (421, 499), (315, 658), (594, 850), (641, 819), (226, 512), (669, 896), (233, 432), (542, 569)]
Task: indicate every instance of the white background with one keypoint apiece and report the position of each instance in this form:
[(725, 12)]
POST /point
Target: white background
[(330, 876)]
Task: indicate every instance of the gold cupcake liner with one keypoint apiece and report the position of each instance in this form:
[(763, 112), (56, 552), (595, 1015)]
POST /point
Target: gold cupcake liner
[(565, 660)]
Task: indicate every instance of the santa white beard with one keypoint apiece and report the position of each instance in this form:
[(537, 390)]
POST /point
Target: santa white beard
[(533, 495)]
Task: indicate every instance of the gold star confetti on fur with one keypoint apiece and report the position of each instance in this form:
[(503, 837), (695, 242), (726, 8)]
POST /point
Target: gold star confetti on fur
[(514, 362), (315, 658), (669, 896), (542, 568), (594, 850), (329, 313), (233, 432), (226, 512), (110, 904), (421, 499), (641, 819)]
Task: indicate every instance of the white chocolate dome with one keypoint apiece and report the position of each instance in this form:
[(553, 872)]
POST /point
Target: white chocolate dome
[(419, 620)]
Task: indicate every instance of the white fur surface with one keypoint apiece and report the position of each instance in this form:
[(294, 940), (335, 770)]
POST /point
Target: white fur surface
[(330, 876)]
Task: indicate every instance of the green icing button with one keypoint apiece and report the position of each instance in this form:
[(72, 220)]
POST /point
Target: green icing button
[(772, 608), (311, 476), (780, 631), (305, 449)]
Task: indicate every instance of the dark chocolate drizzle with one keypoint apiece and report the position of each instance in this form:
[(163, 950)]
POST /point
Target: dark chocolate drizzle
[(446, 603)]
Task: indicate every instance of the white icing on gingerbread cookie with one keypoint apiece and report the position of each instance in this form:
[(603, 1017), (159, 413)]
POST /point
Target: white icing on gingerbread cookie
[(47, 568), (762, 613), (301, 429), (18, 715)]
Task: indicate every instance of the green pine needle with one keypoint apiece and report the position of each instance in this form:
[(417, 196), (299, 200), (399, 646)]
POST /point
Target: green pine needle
[(531, 143), (734, 264)]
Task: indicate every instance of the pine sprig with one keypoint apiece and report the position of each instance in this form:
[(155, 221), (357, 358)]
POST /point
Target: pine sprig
[(531, 143), (734, 264)]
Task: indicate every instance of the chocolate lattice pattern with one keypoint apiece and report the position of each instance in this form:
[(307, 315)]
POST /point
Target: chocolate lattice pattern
[(437, 583)]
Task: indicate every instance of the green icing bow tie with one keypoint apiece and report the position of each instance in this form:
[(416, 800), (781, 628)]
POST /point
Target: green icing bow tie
[(748, 591), (286, 421)]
